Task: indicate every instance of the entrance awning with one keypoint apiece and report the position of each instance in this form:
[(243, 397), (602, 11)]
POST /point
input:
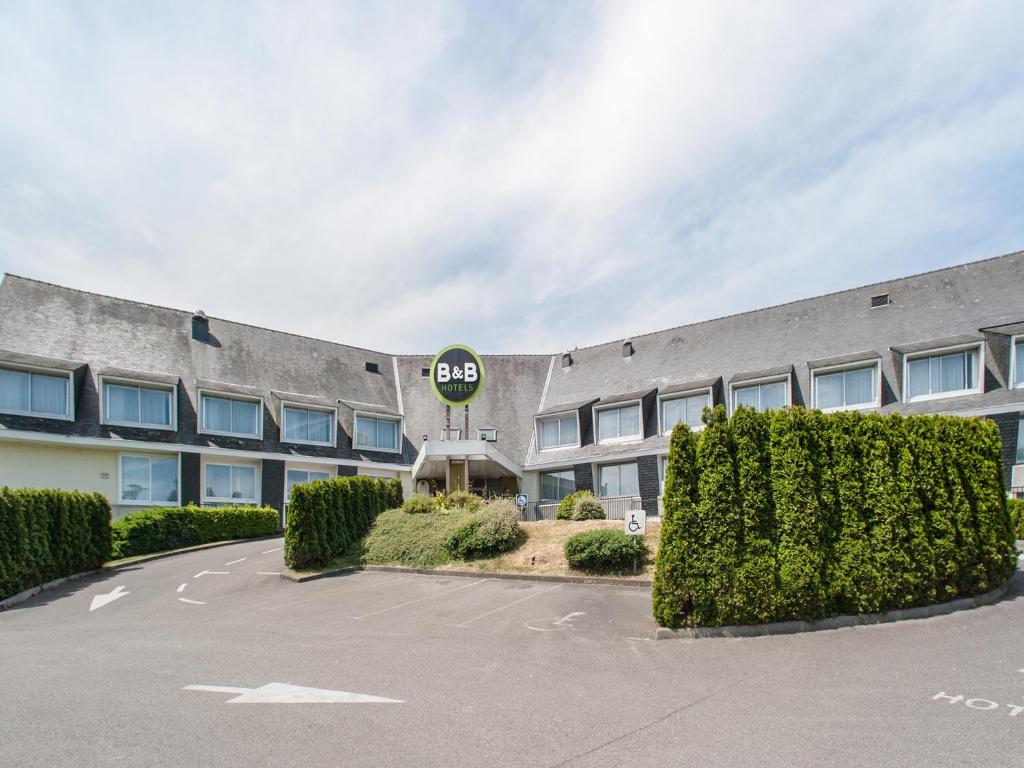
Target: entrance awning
[(435, 455)]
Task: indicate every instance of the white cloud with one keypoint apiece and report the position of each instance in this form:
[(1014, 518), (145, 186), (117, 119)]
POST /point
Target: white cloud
[(573, 174)]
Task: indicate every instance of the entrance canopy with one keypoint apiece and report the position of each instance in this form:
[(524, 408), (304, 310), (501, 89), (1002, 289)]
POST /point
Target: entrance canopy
[(486, 464)]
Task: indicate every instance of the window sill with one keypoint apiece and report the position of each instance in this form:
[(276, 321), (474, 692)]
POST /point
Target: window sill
[(943, 395), (137, 425), (34, 415), (239, 435), (309, 442)]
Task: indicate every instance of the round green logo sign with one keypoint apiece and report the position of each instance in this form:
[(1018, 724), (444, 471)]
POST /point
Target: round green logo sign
[(457, 375)]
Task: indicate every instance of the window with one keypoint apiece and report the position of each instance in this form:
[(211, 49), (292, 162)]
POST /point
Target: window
[(137, 405), (36, 394), (451, 434), (230, 483), (618, 480), (618, 423), (1020, 442), (945, 374), (378, 434), (1017, 356), (306, 425), (490, 435), (149, 480), (227, 416), (853, 388), (557, 432), (555, 486), (686, 410), (295, 477), (763, 396)]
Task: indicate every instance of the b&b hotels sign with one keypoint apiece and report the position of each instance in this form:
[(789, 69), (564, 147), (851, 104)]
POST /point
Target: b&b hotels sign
[(457, 375)]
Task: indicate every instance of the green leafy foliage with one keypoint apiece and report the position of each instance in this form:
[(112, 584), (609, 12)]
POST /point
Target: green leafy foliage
[(164, 528), (462, 500), (326, 517), (796, 514), (1016, 509), (566, 505), (491, 530), (604, 550), (45, 535), (419, 504), (587, 508)]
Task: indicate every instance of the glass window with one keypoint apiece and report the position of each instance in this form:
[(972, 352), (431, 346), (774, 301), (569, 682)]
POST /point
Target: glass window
[(761, 397), (685, 410), (845, 389), (226, 482), (613, 423), (145, 406), (557, 432), (938, 374), (234, 417), (308, 426), (451, 434), (376, 433), (618, 480), (295, 477), (1020, 442), (555, 486), (27, 392), (149, 480), (1018, 362)]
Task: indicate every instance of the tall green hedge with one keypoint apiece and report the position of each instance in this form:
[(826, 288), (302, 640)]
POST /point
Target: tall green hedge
[(163, 528), (796, 514), (45, 535), (325, 517)]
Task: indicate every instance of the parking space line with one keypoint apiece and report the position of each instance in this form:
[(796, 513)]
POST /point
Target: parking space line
[(268, 573), (212, 573), (192, 602), (418, 600), (239, 560), (276, 549), (507, 605)]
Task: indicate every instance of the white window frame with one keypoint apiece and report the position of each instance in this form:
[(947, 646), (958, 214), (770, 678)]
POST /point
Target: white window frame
[(377, 417), (204, 393), (1014, 384), (876, 403), (575, 413), (332, 443), (598, 409), (330, 469), (224, 461), (119, 381), (709, 391), (977, 347), (69, 415), (122, 502), (540, 482), (597, 478), (482, 433), (786, 377), (446, 434), (1018, 457)]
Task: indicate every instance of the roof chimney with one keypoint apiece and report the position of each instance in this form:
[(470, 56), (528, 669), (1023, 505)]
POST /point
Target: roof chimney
[(627, 348), (200, 326), (566, 360)]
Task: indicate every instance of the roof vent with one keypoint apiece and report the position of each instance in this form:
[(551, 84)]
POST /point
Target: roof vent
[(881, 300), (627, 349), (566, 360), (200, 326), (372, 368), (425, 373)]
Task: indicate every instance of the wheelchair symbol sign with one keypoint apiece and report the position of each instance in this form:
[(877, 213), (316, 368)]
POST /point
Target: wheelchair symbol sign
[(635, 523)]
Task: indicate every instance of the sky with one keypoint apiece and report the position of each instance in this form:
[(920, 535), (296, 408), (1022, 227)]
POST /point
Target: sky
[(518, 176)]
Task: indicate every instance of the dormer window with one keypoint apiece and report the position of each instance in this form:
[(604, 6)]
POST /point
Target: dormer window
[(942, 373), (558, 431), (230, 416), (131, 404), (1017, 362), (312, 426), (618, 423), (35, 393), (376, 433)]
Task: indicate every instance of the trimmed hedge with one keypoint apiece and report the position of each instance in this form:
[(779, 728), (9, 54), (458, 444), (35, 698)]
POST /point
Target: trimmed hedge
[(795, 514), (1016, 507), (325, 517), (45, 535), (603, 550), (164, 528)]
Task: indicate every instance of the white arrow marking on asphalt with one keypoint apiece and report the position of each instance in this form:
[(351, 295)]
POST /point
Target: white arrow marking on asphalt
[(284, 693), (211, 573), (182, 587), (100, 600), (569, 617)]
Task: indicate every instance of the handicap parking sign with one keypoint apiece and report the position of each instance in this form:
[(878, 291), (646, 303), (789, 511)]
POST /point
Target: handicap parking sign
[(635, 523), (521, 500)]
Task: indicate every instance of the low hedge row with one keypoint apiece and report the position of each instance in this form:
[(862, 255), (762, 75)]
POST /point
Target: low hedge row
[(796, 514), (163, 528), (325, 517), (604, 550), (45, 535)]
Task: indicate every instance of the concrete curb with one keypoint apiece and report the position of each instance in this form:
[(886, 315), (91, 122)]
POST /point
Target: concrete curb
[(610, 581), (115, 565), (835, 622)]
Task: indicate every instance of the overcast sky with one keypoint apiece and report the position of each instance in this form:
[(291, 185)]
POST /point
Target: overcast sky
[(519, 176)]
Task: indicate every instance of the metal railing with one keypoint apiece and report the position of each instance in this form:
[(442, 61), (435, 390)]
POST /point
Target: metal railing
[(1017, 493), (614, 509)]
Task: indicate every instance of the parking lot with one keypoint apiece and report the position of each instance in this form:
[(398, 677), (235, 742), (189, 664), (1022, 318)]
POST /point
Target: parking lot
[(210, 658)]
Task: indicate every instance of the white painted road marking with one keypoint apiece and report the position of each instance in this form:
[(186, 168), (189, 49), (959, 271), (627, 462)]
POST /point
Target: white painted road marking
[(507, 605), (284, 693), (100, 600), (569, 617), (239, 560), (182, 587), (191, 602), (418, 600), (268, 573), (981, 704), (211, 573), (559, 625), (276, 549)]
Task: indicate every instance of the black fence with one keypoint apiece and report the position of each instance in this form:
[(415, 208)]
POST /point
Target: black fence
[(614, 509)]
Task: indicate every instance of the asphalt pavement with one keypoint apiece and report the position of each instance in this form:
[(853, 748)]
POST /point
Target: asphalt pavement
[(211, 659)]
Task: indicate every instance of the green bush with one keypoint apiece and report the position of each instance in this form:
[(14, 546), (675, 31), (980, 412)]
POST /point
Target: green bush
[(417, 541), (419, 504), (796, 514), (566, 505), (604, 550), (164, 528), (490, 531), (1016, 509), (45, 535), (326, 517), (587, 508), (463, 500)]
